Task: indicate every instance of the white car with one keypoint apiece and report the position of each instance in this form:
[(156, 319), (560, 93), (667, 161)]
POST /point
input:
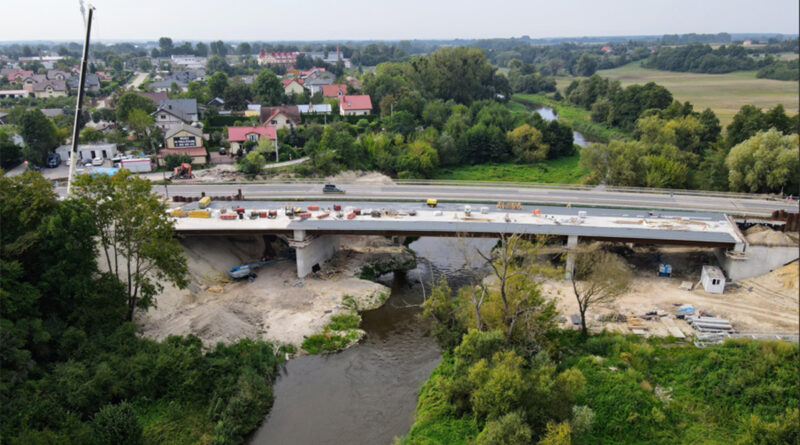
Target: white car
[(97, 161)]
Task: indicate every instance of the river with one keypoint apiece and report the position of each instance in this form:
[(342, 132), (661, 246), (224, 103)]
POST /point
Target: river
[(550, 114), (367, 394)]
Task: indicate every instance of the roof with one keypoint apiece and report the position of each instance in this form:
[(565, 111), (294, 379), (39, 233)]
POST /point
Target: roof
[(91, 81), (356, 102), (167, 83), (188, 106), (52, 112), (21, 73), (333, 89), (713, 272), (56, 85), (314, 108), (238, 134), (286, 82), (291, 111), (183, 127), (191, 151), (155, 97)]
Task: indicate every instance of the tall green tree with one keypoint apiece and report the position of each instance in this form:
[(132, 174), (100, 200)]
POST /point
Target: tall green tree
[(10, 153), (268, 88), (136, 235), (130, 101), (217, 84), (767, 162), (40, 135)]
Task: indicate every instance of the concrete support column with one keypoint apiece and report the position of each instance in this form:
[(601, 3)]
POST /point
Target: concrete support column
[(572, 243), (312, 252)]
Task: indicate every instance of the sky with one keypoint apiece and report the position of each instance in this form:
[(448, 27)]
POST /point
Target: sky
[(270, 20)]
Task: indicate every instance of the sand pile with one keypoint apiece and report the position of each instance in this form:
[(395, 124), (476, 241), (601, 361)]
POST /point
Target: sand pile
[(276, 306), (761, 235), (359, 176)]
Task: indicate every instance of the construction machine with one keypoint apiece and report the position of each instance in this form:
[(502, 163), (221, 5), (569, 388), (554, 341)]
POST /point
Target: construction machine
[(182, 172)]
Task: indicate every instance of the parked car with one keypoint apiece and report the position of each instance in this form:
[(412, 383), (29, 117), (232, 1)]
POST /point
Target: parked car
[(330, 188), (222, 151), (53, 160), (97, 161)]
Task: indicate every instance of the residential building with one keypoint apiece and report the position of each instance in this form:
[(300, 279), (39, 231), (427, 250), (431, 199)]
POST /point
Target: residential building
[(189, 61), (165, 85), (59, 75), (331, 57), (172, 113), (284, 116), (91, 83), (184, 139), (216, 102), (315, 109), (293, 86), (88, 152), (13, 94), (157, 98), (334, 90), (18, 75), (52, 112), (277, 58), (237, 136), (29, 81), (314, 81), (50, 88), (355, 105)]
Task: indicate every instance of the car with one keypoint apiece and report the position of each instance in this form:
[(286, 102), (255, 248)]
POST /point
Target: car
[(330, 188), (97, 161), (222, 151), (34, 167), (53, 160)]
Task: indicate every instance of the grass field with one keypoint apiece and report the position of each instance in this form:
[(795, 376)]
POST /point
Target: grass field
[(557, 171), (723, 93)]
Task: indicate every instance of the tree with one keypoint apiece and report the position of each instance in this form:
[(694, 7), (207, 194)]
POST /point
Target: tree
[(136, 235), (746, 123), (130, 101), (165, 45), (145, 65), (217, 64), (252, 164), (598, 277), (401, 122), (511, 429), (244, 49), (140, 121), (10, 153), (586, 66), (40, 135), (117, 424), (767, 162), (527, 145), (103, 114), (91, 136), (418, 158), (268, 88), (776, 118), (201, 49), (217, 84), (173, 160), (237, 95), (219, 48)]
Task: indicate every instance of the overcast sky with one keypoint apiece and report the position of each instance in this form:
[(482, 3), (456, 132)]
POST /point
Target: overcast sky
[(270, 20)]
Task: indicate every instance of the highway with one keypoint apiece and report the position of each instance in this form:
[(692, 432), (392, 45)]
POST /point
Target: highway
[(379, 191)]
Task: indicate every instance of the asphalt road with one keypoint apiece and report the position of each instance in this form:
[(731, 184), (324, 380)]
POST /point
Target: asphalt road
[(365, 191)]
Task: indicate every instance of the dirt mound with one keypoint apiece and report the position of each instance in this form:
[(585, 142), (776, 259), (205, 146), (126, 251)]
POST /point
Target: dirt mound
[(359, 176), (760, 235)]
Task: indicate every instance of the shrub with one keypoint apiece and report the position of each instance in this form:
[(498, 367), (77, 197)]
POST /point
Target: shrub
[(117, 424), (174, 160)]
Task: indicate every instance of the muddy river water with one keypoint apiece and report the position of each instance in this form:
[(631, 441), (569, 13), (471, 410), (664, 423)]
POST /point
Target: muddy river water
[(367, 394)]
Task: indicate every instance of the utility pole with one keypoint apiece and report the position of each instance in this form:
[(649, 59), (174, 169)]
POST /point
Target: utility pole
[(79, 101)]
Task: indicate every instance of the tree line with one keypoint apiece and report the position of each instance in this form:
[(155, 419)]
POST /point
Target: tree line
[(72, 367)]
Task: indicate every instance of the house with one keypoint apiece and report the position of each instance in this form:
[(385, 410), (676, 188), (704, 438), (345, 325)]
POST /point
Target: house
[(189, 61), (165, 85), (606, 49), (91, 83), (50, 88), (253, 110), (29, 81), (13, 94), (88, 152), (314, 81), (331, 57), (58, 75), (186, 76), (18, 75), (157, 98), (102, 75), (293, 86), (713, 280), (334, 90), (216, 102), (315, 109), (172, 113), (184, 139), (286, 59), (355, 105), (237, 136), (283, 116)]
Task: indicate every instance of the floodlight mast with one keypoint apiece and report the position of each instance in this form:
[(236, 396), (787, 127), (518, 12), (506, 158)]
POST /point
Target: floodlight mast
[(79, 102)]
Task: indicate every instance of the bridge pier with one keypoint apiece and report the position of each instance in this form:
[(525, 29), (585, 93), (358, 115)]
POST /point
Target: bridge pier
[(572, 244), (312, 250)]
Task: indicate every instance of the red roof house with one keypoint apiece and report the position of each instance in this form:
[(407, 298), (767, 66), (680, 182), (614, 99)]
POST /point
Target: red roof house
[(334, 90), (355, 105), (239, 135)]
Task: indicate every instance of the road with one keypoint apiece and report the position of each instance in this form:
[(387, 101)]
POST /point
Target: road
[(380, 191), (138, 80)]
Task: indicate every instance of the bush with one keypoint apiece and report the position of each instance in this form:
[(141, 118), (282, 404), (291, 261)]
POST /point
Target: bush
[(252, 164), (117, 424), (175, 160)]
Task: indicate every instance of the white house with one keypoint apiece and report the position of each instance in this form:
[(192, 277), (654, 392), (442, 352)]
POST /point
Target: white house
[(355, 105), (88, 152)]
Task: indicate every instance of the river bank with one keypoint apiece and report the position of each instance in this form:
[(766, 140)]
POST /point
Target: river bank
[(573, 115), (276, 306)]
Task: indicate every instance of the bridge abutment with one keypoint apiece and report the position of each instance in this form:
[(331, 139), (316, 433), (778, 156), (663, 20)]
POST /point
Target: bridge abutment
[(572, 244), (312, 250)]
